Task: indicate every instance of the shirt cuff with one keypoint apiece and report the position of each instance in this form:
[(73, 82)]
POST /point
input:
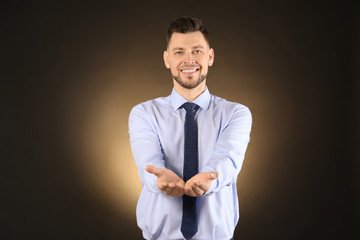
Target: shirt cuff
[(214, 183), (151, 179)]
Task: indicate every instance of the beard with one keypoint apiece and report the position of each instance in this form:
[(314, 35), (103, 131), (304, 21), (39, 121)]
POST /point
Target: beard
[(190, 85)]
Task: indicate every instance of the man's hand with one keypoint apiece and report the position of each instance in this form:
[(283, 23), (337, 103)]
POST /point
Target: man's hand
[(167, 181), (200, 183)]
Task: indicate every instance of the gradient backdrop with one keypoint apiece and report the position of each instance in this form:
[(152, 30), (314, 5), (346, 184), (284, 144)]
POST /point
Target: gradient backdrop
[(72, 71)]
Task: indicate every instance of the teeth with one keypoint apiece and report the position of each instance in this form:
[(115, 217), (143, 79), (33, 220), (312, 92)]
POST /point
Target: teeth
[(188, 70)]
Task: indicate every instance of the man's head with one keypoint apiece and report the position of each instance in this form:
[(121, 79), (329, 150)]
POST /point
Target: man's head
[(188, 53), (187, 25)]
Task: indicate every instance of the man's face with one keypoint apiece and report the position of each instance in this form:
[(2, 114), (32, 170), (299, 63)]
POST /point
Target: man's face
[(188, 57)]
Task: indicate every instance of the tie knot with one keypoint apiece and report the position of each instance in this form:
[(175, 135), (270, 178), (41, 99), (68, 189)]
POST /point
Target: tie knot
[(190, 107)]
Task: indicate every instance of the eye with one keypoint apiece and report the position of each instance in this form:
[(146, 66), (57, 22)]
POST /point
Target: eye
[(178, 52), (197, 51)]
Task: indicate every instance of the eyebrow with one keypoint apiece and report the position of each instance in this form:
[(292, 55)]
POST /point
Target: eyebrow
[(194, 47), (177, 48)]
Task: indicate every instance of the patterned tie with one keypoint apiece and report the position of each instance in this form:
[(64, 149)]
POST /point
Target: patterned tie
[(189, 224)]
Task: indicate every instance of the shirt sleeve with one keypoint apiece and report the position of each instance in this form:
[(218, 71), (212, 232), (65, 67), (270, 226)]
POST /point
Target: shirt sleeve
[(145, 146), (230, 148)]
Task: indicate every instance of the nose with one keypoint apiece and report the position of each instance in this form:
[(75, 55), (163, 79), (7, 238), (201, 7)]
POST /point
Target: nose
[(189, 58)]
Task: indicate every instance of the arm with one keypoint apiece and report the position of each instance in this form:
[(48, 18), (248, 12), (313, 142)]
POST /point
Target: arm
[(146, 149), (230, 148)]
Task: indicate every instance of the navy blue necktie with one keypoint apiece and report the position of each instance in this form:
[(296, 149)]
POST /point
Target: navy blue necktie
[(189, 224)]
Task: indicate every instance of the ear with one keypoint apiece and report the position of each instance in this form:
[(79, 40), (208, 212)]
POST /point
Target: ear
[(211, 56), (166, 59)]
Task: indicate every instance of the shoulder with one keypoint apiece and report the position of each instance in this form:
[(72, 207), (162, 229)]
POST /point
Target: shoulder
[(152, 106), (161, 102), (224, 106)]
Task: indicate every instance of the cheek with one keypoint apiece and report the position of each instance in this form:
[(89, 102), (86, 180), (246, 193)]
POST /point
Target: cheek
[(204, 70), (174, 70), (205, 65), (175, 65), (204, 62)]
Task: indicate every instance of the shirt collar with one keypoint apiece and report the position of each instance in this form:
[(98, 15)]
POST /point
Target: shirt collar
[(203, 100)]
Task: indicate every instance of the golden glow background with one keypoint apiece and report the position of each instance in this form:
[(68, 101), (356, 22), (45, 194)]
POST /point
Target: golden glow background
[(73, 71)]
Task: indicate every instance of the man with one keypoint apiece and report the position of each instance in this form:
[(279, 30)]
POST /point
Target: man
[(188, 147)]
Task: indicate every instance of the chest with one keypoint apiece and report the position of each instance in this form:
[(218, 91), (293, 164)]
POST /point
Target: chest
[(172, 138)]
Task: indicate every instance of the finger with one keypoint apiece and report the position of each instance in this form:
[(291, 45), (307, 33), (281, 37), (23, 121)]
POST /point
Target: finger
[(203, 186), (168, 191), (190, 192), (153, 170), (168, 188), (197, 191), (175, 192), (178, 190), (213, 175), (163, 186)]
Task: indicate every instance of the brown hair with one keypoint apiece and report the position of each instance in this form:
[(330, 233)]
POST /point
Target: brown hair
[(187, 25)]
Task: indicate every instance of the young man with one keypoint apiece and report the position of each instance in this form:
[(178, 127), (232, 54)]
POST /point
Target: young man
[(188, 147)]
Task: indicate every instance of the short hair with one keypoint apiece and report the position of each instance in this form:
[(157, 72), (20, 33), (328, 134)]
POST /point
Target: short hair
[(187, 24)]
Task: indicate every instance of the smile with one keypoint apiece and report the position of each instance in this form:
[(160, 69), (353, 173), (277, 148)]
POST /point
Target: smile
[(189, 70)]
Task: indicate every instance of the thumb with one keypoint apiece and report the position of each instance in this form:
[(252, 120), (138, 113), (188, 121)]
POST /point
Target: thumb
[(213, 175), (153, 170)]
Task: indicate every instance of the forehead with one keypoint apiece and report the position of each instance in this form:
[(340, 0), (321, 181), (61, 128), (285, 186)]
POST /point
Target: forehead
[(187, 40)]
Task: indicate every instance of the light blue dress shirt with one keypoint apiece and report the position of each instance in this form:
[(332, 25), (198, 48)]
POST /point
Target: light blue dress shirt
[(156, 129)]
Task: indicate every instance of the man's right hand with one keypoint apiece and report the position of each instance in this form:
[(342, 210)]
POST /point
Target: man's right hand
[(167, 181)]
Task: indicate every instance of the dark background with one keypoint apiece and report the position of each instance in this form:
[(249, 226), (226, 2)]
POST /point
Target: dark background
[(71, 71)]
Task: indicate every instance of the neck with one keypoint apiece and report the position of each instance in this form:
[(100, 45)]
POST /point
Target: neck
[(190, 94)]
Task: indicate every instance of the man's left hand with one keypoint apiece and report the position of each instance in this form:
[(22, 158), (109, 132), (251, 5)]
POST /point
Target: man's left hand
[(200, 183)]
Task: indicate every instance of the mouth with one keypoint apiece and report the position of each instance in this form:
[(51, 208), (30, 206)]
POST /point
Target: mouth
[(189, 70)]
